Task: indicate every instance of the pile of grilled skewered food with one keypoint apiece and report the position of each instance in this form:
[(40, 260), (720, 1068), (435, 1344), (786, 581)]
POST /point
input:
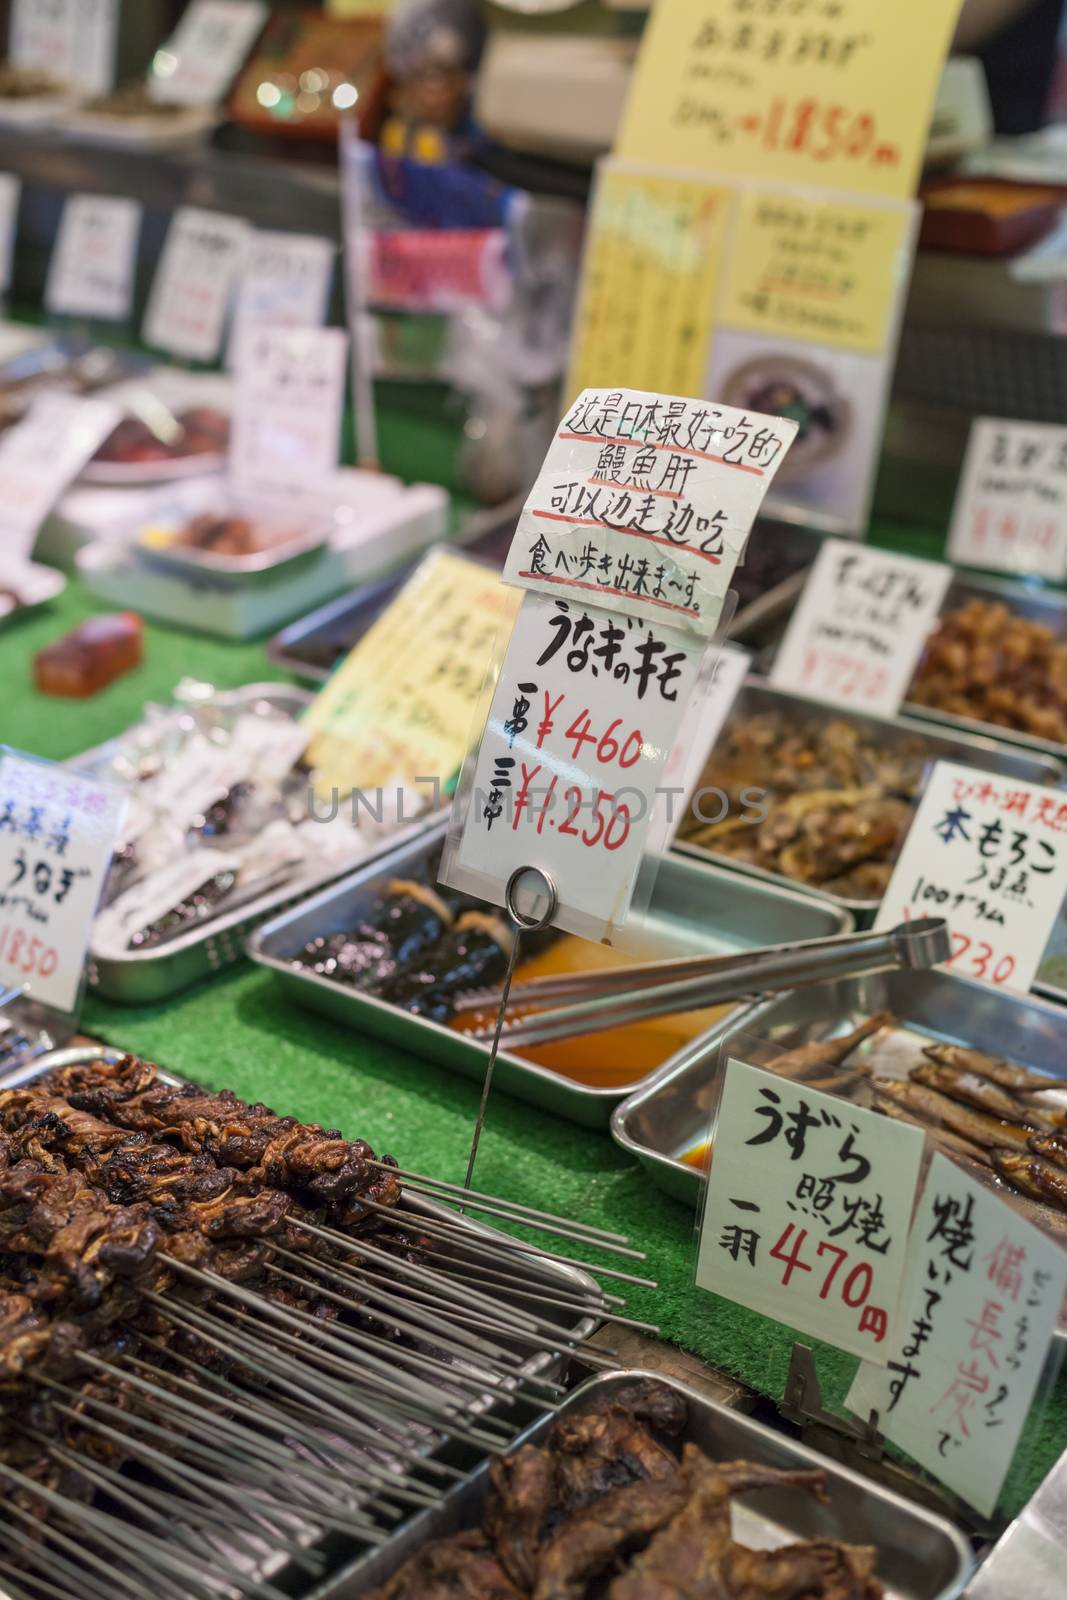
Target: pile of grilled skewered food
[(193, 1288), (985, 662), (608, 1508), (836, 804)]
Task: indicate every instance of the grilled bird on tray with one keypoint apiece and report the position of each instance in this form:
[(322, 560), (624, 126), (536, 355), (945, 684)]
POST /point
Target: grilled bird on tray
[(614, 1506)]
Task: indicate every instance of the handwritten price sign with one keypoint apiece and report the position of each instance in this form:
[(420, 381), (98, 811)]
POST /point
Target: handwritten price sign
[(585, 711), (860, 626), (194, 282), (808, 1203), (990, 856), (1011, 505)]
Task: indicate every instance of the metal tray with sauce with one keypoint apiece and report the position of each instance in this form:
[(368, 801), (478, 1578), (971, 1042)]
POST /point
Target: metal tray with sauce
[(142, 977), (695, 909), (668, 1116), (921, 1556)]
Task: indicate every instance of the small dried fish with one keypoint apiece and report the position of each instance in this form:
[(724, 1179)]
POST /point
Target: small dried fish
[(1006, 1073), (951, 1143), (1033, 1176), (970, 1124), (1051, 1147), (975, 1091), (829, 1052)]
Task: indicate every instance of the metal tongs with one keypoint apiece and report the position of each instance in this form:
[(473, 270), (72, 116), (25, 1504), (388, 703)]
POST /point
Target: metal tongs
[(611, 999)]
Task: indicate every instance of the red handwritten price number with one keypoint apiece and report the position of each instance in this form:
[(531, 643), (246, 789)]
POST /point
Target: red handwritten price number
[(30, 956), (612, 828), (839, 673), (976, 957), (854, 1288), (825, 132), (608, 747)]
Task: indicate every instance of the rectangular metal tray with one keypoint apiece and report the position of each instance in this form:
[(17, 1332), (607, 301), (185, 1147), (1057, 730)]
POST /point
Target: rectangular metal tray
[(920, 1556), (757, 697), (670, 1113), (311, 647), (695, 909), (145, 976)]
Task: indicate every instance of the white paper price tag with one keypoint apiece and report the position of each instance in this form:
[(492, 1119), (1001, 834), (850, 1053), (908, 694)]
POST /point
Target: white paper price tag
[(1011, 505), (57, 832), (206, 51), (690, 754), (988, 854), (91, 273), (194, 283), (860, 626), (38, 458), (584, 715), (72, 41), (10, 191), (982, 1297), (644, 504), (286, 428), (285, 283), (808, 1203)]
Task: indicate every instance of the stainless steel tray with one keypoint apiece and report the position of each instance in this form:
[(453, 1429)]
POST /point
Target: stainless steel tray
[(975, 750), (144, 976), (670, 1113), (695, 909), (920, 1556)]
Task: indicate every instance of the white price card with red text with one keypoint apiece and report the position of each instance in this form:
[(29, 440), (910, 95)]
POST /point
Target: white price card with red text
[(70, 41), (194, 283), (644, 503), (808, 1205), (57, 833), (206, 51), (91, 273), (1011, 504), (286, 427), (859, 628), (981, 1302), (584, 714), (285, 283), (989, 854), (38, 458)]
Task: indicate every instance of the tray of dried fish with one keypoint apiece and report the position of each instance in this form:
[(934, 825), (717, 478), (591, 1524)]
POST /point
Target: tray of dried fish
[(238, 1352), (390, 952), (982, 1069), (218, 834), (642, 1489), (820, 799)]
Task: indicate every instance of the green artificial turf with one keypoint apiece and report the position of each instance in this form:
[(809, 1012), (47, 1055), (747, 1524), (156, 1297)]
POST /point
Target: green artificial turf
[(238, 1031)]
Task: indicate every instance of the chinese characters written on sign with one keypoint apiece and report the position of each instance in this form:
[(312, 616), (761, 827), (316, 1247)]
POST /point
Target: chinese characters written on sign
[(1011, 504), (861, 623), (983, 1293), (807, 1209), (991, 858), (585, 711), (644, 503), (56, 836)]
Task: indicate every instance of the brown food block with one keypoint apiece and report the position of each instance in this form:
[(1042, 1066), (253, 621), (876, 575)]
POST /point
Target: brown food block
[(91, 656)]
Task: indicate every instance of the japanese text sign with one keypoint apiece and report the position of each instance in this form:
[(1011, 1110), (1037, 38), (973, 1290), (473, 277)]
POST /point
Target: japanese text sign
[(91, 273), (38, 458), (859, 627), (808, 91), (207, 49), (584, 714), (70, 41), (982, 1297), (1011, 504), (285, 283), (194, 282), (57, 832), (10, 193), (808, 1204), (644, 503), (990, 856), (286, 429)]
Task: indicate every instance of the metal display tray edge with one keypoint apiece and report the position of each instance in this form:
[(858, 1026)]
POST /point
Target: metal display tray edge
[(739, 1437)]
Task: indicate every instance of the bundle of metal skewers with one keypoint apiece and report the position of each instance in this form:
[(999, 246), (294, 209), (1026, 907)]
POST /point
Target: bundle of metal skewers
[(226, 1335)]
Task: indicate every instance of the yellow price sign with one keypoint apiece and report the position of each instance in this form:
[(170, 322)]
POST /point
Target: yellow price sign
[(830, 92)]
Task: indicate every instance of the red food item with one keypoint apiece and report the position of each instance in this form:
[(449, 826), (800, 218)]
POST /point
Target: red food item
[(91, 656)]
